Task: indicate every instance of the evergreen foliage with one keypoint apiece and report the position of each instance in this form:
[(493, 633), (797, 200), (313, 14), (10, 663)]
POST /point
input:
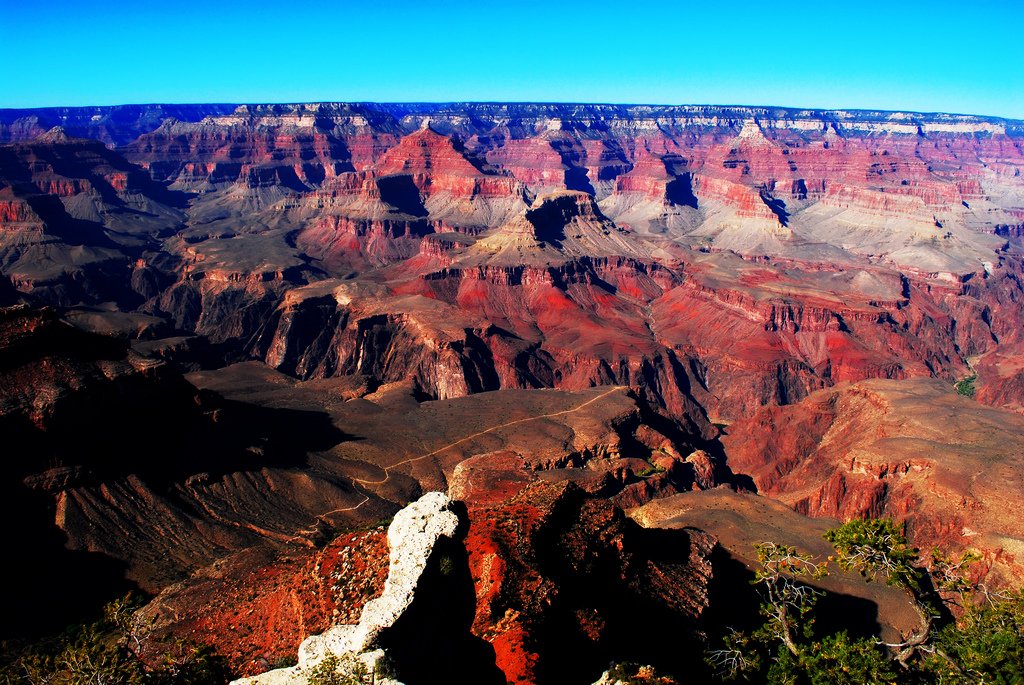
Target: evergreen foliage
[(984, 645), (108, 652)]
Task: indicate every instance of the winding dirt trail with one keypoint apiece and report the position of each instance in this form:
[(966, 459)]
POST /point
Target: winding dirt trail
[(388, 469)]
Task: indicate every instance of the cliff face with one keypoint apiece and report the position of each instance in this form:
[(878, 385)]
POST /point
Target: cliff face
[(77, 220), (573, 244), (123, 467), (559, 573), (686, 335)]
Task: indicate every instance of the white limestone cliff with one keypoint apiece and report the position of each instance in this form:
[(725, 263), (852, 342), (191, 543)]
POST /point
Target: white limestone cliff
[(412, 536)]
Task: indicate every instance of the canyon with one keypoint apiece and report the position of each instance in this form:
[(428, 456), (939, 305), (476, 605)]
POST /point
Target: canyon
[(628, 342)]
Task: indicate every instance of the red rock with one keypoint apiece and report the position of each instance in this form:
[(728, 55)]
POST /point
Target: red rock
[(256, 610), (913, 451), (741, 263), (535, 546), (747, 201)]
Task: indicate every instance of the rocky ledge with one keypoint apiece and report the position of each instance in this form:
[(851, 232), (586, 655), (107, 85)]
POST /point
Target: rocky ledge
[(412, 536)]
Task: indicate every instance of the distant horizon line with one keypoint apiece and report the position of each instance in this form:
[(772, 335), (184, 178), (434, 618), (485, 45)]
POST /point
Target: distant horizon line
[(790, 108)]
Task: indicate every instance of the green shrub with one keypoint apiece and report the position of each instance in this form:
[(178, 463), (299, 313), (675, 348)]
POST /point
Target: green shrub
[(340, 671), (966, 386), (649, 470), (107, 653), (841, 660), (985, 645)]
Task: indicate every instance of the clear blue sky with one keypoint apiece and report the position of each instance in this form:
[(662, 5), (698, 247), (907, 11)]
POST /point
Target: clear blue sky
[(923, 56)]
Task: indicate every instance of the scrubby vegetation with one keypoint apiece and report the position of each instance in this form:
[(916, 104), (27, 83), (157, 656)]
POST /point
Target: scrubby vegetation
[(333, 671), (109, 652), (347, 670), (985, 644), (627, 673), (966, 387), (649, 470)]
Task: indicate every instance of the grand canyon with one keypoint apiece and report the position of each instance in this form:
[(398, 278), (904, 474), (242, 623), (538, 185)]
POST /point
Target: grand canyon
[(516, 387)]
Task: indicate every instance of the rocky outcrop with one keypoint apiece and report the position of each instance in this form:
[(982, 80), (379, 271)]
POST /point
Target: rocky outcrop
[(74, 219), (530, 549), (241, 207), (286, 149), (741, 521), (255, 606), (725, 333), (412, 537), (564, 583)]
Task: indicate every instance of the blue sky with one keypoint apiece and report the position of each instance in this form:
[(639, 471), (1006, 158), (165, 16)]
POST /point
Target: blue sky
[(921, 56)]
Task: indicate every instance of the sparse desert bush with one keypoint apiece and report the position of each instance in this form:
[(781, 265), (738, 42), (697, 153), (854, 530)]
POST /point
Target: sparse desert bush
[(107, 652), (340, 671), (984, 645), (966, 386)]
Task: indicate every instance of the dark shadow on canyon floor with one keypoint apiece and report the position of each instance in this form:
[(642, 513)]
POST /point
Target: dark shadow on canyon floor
[(48, 585), (108, 438), (617, 598)]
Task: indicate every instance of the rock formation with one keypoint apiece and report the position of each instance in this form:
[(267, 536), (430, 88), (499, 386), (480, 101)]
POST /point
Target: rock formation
[(564, 583), (209, 218), (914, 451), (532, 550), (412, 536)]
